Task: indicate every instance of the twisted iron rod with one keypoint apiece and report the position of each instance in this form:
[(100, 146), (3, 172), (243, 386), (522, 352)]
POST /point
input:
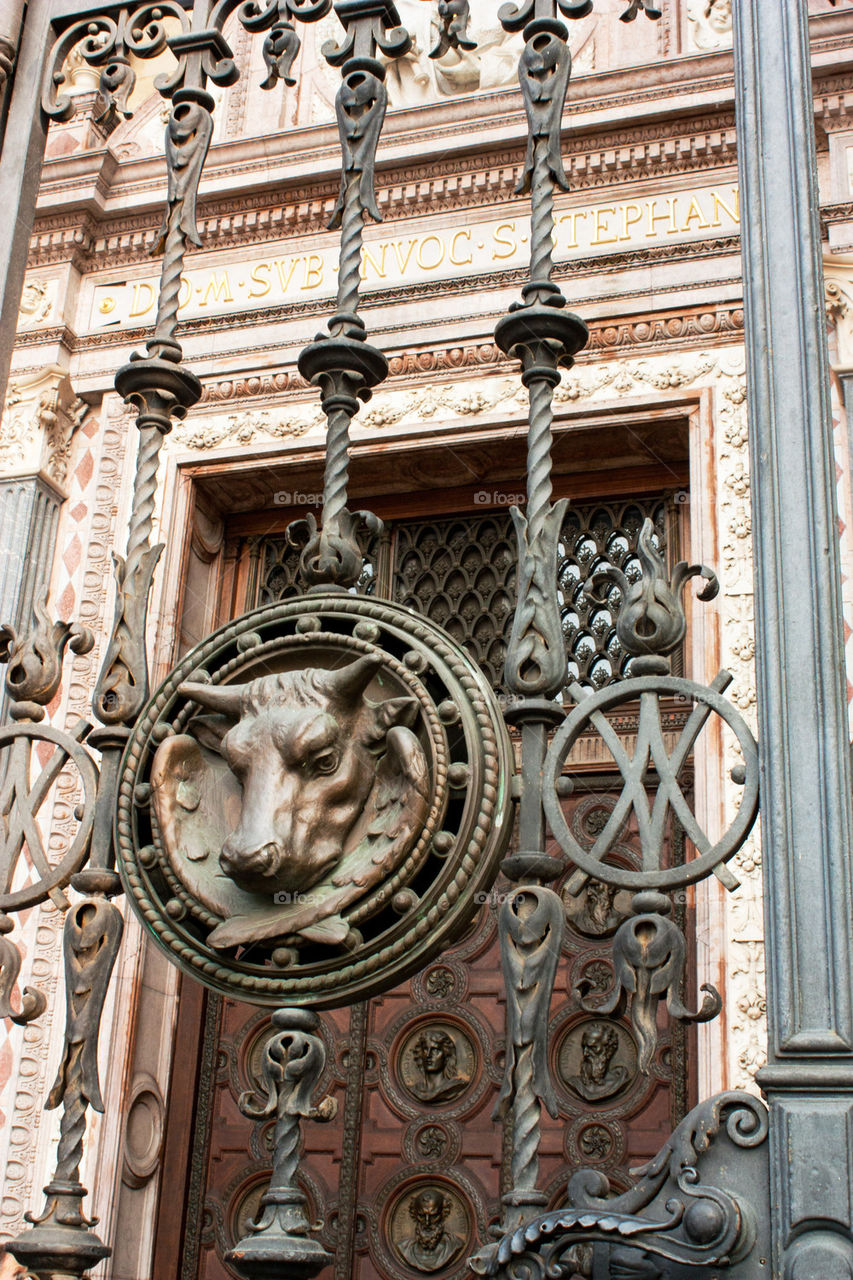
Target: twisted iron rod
[(352, 230), (542, 216), (526, 1115), (539, 445), (144, 494), (170, 283), (72, 1126)]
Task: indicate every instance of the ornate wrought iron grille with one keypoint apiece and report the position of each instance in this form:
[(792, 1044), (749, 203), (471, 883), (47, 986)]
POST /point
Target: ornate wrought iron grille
[(718, 1196), (460, 571)]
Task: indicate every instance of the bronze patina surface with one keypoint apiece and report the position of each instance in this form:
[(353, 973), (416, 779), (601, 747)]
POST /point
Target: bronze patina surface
[(312, 799)]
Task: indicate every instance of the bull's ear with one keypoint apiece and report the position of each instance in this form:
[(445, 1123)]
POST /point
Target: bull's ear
[(397, 711), (209, 731), (388, 714), (224, 698), (349, 683)]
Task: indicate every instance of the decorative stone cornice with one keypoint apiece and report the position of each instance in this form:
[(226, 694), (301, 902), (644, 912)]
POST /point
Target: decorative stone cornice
[(448, 184), (680, 329)]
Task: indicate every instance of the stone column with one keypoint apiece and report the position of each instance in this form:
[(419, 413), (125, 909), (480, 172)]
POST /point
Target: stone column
[(39, 418), (806, 800), (11, 21)]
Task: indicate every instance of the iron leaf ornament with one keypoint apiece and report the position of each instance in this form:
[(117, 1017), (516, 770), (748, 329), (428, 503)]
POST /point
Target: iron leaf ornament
[(91, 939), (651, 620), (34, 1001), (33, 658), (360, 107), (649, 956), (453, 19), (543, 72), (188, 135)]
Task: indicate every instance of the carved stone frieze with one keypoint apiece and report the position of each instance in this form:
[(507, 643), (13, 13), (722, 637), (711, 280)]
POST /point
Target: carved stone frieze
[(39, 419), (204, 429)]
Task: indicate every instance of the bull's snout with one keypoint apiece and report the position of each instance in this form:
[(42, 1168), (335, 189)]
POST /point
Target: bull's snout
[(250, 867)]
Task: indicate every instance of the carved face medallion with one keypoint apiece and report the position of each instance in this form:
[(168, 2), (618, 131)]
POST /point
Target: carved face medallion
[(292, 780), (429, 1228), (597, 1060), (436, 1063)]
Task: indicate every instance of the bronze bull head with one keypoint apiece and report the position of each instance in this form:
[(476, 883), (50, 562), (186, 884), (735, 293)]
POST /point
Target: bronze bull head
[(306, 747)]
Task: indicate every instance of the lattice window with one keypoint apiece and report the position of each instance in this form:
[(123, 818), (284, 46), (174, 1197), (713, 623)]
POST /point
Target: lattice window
[(592, 538), (460, 572)]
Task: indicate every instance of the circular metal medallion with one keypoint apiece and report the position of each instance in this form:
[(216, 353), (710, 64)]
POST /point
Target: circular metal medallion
[(313, 801)]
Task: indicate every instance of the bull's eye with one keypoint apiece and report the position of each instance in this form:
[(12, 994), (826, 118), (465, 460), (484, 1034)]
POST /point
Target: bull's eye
[(326, 762)]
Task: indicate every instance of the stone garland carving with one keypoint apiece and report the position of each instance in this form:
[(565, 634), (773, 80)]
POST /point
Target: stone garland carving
[(29, 1127)]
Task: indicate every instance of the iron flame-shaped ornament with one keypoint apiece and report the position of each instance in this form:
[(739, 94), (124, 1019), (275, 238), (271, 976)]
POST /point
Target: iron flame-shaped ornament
[(651, 620)]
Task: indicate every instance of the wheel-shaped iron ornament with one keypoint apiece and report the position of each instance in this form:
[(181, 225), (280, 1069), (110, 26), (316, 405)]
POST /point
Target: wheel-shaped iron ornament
[(313, 801)]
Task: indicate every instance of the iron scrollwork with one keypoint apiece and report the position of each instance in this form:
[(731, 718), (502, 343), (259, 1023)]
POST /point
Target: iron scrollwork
[(33, 674), (453, 19), (648, 949), (670, 1216)]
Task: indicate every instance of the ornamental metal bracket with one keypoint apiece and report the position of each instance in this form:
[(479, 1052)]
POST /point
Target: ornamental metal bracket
[(701, 1203), (648, 949), (293, 1062)]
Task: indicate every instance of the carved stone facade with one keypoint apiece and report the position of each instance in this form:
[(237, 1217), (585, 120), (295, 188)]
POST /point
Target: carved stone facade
[(648, 254)]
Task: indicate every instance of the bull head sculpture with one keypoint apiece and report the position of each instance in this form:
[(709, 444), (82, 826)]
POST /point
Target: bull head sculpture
[(332, 793)]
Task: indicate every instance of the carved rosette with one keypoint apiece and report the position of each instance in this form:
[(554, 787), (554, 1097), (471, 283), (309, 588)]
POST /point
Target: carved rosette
[(314, 801)]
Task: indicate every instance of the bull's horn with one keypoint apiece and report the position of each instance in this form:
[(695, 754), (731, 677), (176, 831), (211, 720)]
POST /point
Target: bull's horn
[(224, 698), (348, 684)]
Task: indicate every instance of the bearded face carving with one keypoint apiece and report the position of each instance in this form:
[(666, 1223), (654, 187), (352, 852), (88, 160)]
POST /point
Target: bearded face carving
[(327, 790)]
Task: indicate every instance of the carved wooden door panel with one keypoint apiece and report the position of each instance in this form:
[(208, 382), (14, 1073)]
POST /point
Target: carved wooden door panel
[(410, 1172)]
